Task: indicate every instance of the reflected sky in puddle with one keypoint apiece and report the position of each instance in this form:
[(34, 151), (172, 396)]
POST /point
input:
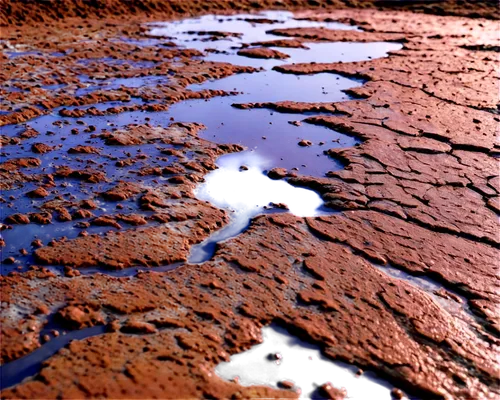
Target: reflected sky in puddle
[(186, 34), (319, 52), (183, 32), (269, 133), (266, 133), (272, 86), (137, 82), (241, 213)]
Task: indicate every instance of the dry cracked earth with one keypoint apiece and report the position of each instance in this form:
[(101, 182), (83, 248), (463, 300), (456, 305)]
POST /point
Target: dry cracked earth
[(102, 217)]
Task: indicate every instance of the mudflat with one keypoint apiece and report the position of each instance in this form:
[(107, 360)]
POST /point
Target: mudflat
[(115, 121)]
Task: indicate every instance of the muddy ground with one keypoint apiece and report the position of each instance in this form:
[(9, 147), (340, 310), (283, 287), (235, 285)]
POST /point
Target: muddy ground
[(420, 193)]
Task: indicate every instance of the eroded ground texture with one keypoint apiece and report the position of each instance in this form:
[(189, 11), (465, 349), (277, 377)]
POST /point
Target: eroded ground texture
[(420, 194)]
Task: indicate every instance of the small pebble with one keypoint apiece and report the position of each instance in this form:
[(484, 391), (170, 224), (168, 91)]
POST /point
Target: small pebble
[(286, 385), (397, 393), (42, 309), (37, 243)]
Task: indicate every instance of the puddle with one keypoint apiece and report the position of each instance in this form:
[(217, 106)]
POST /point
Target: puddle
[(242, 213), (187, 32), (272, 86), (319, 52), (271, 140), (246, 191), (198, 33), (16, 371), (269, 133), (302, 364), (112, 84), (137, 82)]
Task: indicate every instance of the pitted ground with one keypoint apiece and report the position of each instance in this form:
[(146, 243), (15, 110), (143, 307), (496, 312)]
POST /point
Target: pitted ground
[(18, 12), (193, 318), (100, 60), (419, 193)]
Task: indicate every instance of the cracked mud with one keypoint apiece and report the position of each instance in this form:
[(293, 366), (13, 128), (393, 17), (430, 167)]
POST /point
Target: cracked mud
[(110, 130)]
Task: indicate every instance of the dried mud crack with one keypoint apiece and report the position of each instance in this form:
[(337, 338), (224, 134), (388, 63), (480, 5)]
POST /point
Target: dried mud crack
[(98, 177)]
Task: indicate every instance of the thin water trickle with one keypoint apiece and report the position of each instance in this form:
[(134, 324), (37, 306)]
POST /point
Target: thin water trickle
[(16, 371), (242, 213)]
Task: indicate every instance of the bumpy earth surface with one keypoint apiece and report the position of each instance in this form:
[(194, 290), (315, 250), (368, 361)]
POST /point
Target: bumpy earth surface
[(420, 193)]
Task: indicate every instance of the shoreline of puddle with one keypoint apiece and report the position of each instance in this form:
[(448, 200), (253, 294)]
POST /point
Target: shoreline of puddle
[(30, 365), (268, 133), (260, 155)]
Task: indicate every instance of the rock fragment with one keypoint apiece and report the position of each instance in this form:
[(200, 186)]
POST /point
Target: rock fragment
[(17, 219), (138, 327), (38, 193), (41, 148), (305, 143), (263, 52), (277, 173)]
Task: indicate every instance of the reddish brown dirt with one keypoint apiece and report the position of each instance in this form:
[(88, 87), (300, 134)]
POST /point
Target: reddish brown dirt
[(263, 52), (190, 222), (285, 43), (32, 11), (211, 310), (420, 193)]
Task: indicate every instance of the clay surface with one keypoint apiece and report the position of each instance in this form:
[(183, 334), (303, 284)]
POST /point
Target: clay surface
[(263, 52), (418, 195)]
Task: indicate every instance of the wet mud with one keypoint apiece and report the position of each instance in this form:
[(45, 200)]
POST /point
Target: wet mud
[(274, 362), (172, 189)]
